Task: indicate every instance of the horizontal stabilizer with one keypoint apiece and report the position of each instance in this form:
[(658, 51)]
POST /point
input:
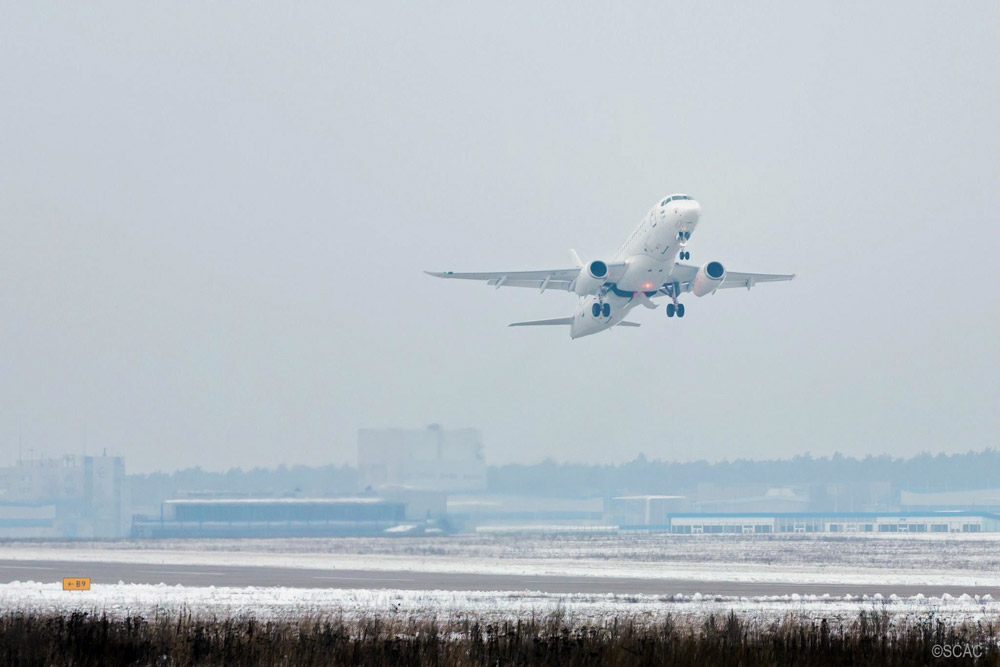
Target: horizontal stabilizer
[(629, 324), (543, 323)]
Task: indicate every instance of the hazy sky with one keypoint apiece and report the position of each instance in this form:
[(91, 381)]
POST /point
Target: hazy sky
[(215, 217)]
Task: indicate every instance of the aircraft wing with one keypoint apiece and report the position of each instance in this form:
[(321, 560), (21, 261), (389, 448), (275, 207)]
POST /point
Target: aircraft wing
[(748, 280), (685, 273), (561, 320), (561, 279)]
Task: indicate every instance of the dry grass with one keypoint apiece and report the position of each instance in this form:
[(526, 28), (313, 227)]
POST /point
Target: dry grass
[(873, 638)]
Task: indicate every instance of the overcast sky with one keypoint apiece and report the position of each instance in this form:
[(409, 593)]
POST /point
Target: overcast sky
[(215, 219)]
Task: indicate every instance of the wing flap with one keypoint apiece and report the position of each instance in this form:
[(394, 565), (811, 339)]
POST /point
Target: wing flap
[(685, 273), (748, 280), (552, 274), (536, 284), (557, 279)]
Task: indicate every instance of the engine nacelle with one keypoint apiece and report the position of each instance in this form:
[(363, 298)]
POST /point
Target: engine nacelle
[(592, 276), (708, 279)]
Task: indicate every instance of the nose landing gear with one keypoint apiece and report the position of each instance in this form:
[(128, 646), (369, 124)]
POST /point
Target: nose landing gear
[(683, 238)]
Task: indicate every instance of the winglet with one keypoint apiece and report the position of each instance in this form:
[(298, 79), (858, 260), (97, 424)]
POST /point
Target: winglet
[(575, 258)]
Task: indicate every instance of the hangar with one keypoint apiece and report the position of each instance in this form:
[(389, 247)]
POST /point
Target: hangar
[(272, 517)]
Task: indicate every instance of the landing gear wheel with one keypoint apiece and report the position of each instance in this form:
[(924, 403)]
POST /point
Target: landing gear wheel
[(680, 310), (606, 310), (596, 310), (671, 309)]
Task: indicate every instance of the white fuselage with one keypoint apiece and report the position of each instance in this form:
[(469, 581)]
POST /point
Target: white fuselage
[(650, 254)]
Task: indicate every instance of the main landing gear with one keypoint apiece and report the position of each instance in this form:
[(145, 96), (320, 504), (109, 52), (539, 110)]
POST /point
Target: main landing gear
[(684, 254), (674, 308), (599, 309)]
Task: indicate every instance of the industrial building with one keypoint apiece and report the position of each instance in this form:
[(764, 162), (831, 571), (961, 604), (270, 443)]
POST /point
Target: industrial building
[(752, 498), (272, 517), (647, 510), (987, 500), (832, 497), (430, 459), (833, 522), (62, 498), (469, 512)]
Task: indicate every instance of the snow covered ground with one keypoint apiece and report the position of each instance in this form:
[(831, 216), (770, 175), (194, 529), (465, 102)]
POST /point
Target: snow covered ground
[(959, 560), (123, 599)]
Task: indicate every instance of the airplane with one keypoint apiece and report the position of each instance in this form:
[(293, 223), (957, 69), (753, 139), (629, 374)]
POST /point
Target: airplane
[(643, 269)]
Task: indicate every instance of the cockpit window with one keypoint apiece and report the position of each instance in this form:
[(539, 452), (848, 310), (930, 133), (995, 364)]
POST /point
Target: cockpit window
[(674, 198)]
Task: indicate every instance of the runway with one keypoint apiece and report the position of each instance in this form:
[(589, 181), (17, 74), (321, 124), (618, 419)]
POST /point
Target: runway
[(243, 576)]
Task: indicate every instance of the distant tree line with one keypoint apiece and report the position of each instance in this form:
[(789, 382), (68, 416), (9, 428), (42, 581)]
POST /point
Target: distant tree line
[(924, 472)]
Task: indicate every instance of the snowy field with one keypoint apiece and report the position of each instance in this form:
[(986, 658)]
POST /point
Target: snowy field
[(902, 559), (119, 600), (959, 560)]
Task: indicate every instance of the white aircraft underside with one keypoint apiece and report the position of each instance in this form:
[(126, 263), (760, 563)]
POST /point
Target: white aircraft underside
[(644, 268)]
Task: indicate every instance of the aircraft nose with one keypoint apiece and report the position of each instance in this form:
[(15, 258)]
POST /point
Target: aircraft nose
[(689, 210)]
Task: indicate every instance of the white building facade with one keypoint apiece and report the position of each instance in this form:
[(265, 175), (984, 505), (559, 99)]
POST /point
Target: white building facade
[(68, 497), (430, 459)]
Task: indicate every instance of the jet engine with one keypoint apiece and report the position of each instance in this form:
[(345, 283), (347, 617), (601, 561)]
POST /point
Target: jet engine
[(591, 277), (708, 278)]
